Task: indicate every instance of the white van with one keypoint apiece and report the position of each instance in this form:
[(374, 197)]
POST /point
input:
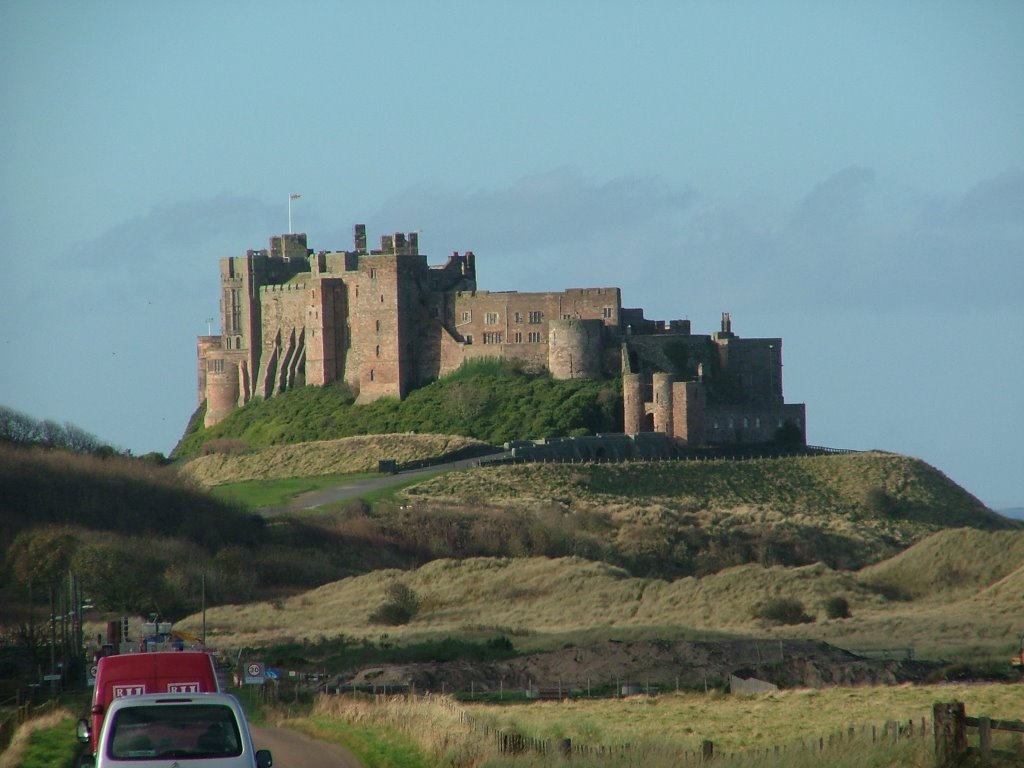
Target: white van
[(202, 730)]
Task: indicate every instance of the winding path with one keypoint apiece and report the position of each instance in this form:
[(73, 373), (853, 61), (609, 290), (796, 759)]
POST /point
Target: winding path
[(314, 499)]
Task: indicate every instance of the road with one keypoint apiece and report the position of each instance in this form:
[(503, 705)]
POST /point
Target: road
[(314, 499), (292, 749)]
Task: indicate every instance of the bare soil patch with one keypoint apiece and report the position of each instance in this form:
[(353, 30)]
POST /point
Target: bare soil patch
[(663, 665)]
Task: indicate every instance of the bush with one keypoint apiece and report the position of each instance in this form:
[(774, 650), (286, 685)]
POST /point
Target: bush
[(783, 610), (837, 608), (401, 606)]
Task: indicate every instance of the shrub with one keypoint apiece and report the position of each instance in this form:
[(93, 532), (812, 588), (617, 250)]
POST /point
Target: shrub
[(782, 610), (401, 606), (837, 608)]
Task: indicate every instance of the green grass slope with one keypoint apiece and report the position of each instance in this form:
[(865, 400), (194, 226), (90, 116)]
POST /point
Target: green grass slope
[(487, 400)]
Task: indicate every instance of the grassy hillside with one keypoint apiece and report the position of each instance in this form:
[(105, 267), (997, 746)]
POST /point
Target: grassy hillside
[(673, 519), (487, 400), (542, 603), (346, 455)]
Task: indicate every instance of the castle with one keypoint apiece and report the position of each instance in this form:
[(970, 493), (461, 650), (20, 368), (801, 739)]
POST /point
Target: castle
[(384, 322)]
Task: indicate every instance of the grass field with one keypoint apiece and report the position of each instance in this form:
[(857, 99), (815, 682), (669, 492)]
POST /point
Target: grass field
[(669, 730)]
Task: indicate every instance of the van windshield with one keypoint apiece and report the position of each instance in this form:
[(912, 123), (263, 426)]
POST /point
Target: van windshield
[(174, 730)]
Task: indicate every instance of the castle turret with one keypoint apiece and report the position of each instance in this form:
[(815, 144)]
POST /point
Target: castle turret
[(221, 389), (633, 403), (574, 348), (661, 404)]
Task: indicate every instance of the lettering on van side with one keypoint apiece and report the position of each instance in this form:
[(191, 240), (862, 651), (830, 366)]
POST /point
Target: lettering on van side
[(128, 690), (183, 688)]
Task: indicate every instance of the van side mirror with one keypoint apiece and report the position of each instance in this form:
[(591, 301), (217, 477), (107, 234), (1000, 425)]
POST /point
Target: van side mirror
[(82, 731), (264, 759)]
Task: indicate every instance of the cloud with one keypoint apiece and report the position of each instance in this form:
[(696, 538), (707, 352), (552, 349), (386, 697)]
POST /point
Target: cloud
[(177, 233), (555, 208), (855, 241)]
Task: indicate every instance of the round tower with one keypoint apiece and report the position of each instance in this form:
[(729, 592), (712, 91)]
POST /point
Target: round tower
[(574, 348), (221, 389), (204, 346), (632, 403), (661, 402)]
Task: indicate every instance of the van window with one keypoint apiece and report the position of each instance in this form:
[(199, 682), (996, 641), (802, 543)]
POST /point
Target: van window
[(186, 730)]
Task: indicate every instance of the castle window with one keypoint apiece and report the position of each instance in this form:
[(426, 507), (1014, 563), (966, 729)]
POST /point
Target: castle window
[(517, 337), (469, 339), (373, 274), (536, 317), (216, 366), (467, 316), (378, 350), (567, 317), (534, 337), (746, 422), (757, 422), (378, 326), (238, 342), (382, 298), (519, 317), (371, 374), (606, 312), (492, 338), (227, 342), (491, 318)]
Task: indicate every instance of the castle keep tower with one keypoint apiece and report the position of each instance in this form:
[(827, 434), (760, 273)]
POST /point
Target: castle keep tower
[(384, 322)]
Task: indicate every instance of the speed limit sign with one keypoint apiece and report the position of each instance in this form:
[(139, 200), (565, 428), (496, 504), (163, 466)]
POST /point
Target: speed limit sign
[(254, 673)]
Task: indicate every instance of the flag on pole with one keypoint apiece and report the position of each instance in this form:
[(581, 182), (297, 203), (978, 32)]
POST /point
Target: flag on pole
[(294, 196)]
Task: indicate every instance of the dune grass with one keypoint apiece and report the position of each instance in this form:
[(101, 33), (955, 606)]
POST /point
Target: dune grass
[(543, 602), (350, 455), (47, 741), (670, 729)]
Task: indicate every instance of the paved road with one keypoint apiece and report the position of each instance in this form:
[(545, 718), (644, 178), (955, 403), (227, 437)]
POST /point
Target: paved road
[(292, 749), (314, 499)]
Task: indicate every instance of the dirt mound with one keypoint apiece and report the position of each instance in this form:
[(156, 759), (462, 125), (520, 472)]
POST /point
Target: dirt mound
[(662, 664)]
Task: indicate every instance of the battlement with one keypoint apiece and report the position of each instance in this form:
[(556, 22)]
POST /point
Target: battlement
[(399, 244)]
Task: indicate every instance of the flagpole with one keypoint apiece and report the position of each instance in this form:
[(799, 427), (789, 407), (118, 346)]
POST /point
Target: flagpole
[(291, 197)]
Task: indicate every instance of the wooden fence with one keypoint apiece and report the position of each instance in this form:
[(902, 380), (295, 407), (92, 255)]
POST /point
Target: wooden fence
[(951, 742), (19, 715)]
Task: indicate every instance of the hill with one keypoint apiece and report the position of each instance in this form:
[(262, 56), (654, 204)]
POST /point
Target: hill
[(347, 455), (543, 603), (488, 400)]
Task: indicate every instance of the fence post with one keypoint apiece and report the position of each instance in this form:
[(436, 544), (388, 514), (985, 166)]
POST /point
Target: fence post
[(707, 750), (985, 738), (950, 731)]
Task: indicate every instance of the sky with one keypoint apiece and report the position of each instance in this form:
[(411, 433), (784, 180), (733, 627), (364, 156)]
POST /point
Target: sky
[(848, 176)]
